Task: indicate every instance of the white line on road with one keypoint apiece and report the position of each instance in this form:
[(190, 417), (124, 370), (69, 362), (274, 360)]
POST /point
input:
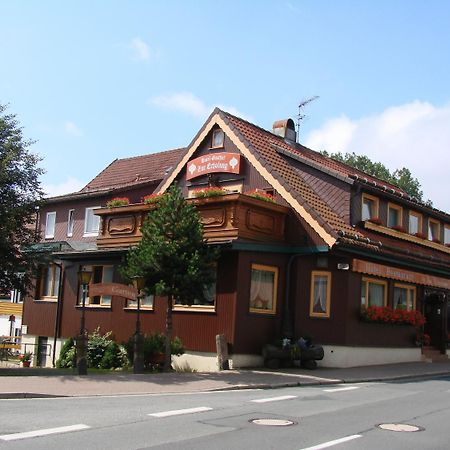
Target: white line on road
[(348, 388), (335, 442), (177, 412), (44, 432), (274, 399)]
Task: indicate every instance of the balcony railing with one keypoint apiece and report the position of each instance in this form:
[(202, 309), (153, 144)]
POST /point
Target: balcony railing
[(225, 218)]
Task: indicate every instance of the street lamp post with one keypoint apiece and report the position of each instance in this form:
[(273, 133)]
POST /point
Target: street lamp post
[(84, 277), (138, 353)]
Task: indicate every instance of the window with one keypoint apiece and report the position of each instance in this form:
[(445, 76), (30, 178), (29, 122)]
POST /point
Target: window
[(218, 138), (370, 207), (415, 223), (70, 222), (50, 223), (146, 302), (394, 216), (373, 292), (433, 230), (49, 282), (263, 289), (209, 297), (404, 297), (447, 236), (100, 274), (91, 222), (319, 305)]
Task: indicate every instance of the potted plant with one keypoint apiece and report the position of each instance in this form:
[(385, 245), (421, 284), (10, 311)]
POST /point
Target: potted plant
[(118, 201), (25, 359)]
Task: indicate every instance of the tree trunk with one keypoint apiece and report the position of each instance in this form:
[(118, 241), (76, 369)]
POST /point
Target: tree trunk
[(168, 355)]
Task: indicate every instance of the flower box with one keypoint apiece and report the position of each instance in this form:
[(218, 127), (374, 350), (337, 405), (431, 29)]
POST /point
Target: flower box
[(118, 201), (388, 315)]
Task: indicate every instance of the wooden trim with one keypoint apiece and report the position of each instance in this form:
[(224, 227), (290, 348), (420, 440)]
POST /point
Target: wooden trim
[(314, 274), (405, 236), (274, 270), (284, 193), (394, 273), (400, 215), (374, 281), (376, 200)]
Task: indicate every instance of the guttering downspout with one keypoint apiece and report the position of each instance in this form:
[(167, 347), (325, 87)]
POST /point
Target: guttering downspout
[(58, 310)]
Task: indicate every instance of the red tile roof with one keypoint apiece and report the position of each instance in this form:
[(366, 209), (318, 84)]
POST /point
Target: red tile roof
[(136, 170)]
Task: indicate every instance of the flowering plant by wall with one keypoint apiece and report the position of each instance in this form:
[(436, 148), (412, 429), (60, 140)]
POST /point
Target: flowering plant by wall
[(118, 201), (210, 192), (261, 196), (25, 356), (151, 198), (386, 314)]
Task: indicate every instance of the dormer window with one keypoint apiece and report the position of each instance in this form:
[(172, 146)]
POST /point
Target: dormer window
[(218, 138), (447, 235), (394, 219), (415, 223), (433, 230), (370, 207)]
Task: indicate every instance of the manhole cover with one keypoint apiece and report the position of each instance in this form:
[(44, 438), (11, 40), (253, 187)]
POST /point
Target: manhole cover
[(402, 427), (273, 422)]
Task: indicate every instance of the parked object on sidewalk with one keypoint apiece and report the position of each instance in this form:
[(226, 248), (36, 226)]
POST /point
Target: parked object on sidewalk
[(25, 359), (302, 353)]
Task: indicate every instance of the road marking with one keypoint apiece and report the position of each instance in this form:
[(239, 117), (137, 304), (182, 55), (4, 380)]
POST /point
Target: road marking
[(177, 412), (44, 432), (274, 399), (348, 388), (335, 442)]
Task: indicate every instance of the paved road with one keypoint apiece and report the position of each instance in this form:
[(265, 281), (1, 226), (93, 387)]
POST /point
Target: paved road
[(343, 416)]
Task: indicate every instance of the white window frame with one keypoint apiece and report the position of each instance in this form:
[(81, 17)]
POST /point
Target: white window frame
[(50, 234), (70, 222), (86, 232)]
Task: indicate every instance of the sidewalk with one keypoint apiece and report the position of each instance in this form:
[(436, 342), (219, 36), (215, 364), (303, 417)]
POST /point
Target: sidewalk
[(26, 383)]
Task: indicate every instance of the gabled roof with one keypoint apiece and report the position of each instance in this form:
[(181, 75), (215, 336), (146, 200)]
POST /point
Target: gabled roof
[(257, 147), (128, 172)]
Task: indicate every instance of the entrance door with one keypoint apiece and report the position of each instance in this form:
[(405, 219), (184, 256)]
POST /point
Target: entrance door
[(435, 309), (42, 350)]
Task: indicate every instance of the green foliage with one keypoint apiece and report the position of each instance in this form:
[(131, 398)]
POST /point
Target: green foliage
[(153, 344), (172, 256), (115, 356), (401, 178), (67, 356), (20, 195), (97, 345)]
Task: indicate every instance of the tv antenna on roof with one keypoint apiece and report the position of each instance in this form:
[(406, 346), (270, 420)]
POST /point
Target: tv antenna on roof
[(301, 115)]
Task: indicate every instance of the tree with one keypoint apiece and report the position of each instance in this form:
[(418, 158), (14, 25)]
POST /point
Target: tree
[(172, 256), (20, 196), (401, 178)]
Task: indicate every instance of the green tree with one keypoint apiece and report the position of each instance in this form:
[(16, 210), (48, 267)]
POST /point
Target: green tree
[(401, 178), (20, 196), (173, 256)]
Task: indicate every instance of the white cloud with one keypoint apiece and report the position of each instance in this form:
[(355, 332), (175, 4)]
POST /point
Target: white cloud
[(72, 129), (189, 103), (415, 135), (140, 49), (68, 186)]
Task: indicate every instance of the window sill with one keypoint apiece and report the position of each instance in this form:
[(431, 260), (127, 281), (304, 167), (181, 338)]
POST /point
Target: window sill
[(46, 300), (93, 306), (141, 309), (194, 308), (95, 234), (263, 312)]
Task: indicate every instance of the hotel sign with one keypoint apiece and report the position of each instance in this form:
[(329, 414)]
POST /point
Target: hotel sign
[(213, 163), (406, 276), (120, 290)]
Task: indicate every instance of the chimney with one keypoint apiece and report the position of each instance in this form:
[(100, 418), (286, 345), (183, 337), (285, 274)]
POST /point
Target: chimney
[(286, 129)]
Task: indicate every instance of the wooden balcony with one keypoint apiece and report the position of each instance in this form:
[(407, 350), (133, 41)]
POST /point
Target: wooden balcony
[(225, 218)]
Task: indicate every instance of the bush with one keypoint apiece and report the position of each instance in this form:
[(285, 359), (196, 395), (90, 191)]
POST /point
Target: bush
[(67, 356), (97, 345), (115, 356)]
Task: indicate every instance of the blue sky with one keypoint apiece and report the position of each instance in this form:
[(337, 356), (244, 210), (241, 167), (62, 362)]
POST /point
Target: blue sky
[(92, 81)]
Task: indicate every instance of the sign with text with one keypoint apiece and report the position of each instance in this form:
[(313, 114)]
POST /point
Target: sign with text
[(120, 290), (213, 163), (407, 276)]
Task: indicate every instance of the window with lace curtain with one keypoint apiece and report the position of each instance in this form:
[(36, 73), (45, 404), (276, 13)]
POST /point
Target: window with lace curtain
[(263, 289), (320, 294)]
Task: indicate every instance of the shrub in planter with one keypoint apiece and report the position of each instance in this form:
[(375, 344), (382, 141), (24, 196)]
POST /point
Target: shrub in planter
[(261, 195), (118, 201), (210, 192)]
